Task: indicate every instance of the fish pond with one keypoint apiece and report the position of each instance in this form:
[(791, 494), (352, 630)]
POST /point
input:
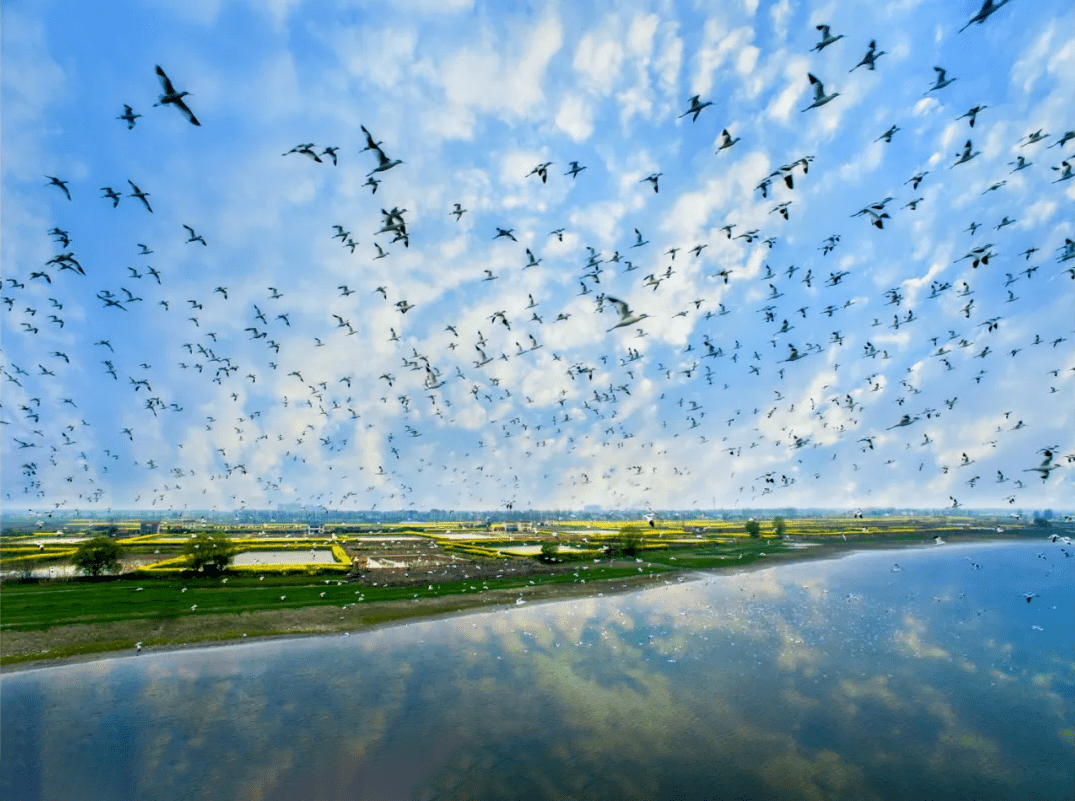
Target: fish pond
[(879, 674)]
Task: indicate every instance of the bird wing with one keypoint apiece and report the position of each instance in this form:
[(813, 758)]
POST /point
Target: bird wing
[(623, 309), (194, 120), (819, 87), (165, 83)]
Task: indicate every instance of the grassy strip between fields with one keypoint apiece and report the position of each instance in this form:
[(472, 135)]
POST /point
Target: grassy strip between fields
[(70, 619)]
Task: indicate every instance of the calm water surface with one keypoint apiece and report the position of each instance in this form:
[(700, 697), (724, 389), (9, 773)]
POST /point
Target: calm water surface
[(897, 674)]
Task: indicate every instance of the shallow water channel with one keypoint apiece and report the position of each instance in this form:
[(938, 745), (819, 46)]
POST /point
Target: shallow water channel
[(884, 674)]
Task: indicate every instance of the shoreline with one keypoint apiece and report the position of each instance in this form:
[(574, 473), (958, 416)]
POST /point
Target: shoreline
[(313, 621)]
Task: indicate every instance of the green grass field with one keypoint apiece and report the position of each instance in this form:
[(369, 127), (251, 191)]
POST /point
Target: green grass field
[(29, 607)]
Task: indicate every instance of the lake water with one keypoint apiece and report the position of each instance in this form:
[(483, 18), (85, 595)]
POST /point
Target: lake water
[(898, 674)]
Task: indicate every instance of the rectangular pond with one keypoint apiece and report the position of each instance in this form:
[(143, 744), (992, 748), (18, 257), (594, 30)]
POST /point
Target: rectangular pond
[(312, 556)]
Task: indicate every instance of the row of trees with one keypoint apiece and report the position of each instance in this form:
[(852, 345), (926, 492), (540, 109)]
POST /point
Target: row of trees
[(753, 527), (207, 553)]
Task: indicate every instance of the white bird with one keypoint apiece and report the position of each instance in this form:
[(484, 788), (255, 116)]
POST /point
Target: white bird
[(820, 98), (627, 317), (826, 38), (967, 154), (726, 140), (942, 81)]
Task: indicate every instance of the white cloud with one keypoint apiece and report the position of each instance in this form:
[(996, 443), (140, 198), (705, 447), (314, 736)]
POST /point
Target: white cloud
[(575, 118)]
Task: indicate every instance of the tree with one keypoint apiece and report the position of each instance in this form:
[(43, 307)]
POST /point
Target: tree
[(629, 544), (753, 528), (549, 551), (209, 553), (97, 556), (779, 526)]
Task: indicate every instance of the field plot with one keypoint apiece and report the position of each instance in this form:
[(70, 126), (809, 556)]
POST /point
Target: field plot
[(293, 557)]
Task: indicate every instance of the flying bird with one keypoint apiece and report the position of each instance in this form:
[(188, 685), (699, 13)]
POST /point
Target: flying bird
[(128, 116), (941, 82), (826, 38), (138, 193), (985, 12), (627, 317), (820, 98), (726, 140), (696, 107), (53, 181), (967, 153), (872, 54), (173, 97), (193, 236), (972, 114), (575, 169)]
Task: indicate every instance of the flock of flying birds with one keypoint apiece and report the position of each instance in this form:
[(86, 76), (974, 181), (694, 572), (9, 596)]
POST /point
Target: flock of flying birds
[(461, 371)]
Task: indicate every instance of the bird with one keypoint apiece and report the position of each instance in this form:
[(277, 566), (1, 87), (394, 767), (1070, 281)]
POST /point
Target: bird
[(458, 211), (826, 38), (505, 232), (872, 54), (383, 162), (696, 107), (652, 179), (53, 181), (1046, 467), (575, 169), (112, 194), (887, 135), (541, 171), (193, 236), (306, 150), (967, 155), (820, 98), (972, 114), (1034, 138), (985, 12), (173, 97), (370, 144), (726, 140), (941, 82), (627, 317), (128, 116), (138, 193)]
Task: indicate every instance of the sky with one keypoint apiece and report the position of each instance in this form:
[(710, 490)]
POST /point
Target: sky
[(832, 359)]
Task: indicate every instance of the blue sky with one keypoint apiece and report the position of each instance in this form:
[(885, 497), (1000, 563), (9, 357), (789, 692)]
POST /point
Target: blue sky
[(348, 402)]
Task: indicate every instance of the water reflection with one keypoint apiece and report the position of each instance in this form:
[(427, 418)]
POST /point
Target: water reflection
[(823, 679)]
